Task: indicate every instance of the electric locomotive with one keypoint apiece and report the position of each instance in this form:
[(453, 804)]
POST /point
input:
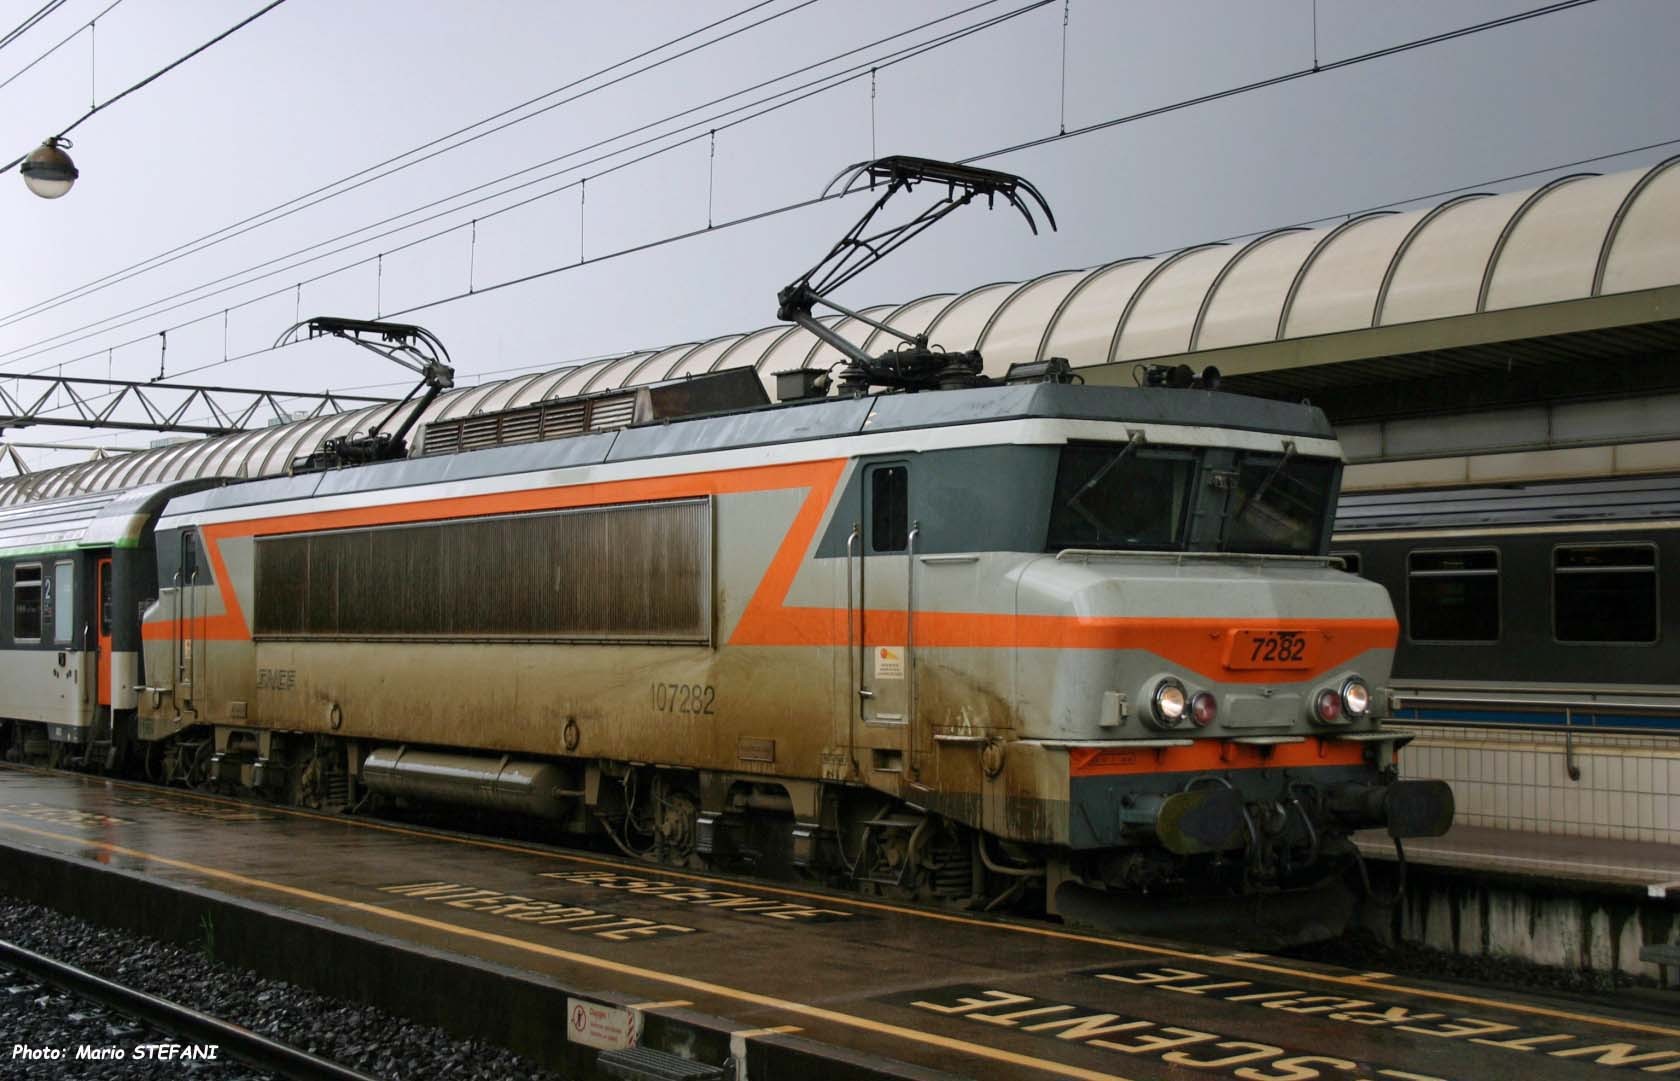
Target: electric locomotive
[(967, 638)]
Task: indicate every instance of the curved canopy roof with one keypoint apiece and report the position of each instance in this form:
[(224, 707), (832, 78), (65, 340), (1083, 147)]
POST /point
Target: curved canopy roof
[(1575, 238)]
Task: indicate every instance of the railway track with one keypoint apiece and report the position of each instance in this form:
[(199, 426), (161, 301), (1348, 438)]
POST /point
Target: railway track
[(196, 1035)]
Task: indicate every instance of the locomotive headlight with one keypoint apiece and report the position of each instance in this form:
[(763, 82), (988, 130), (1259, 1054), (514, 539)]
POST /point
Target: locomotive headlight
[(1204, 707), (1169, 703), (1327, 707), (1356, 698)]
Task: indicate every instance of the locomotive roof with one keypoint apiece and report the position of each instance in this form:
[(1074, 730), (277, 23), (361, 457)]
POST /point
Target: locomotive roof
[(98, 520), (801, 422)]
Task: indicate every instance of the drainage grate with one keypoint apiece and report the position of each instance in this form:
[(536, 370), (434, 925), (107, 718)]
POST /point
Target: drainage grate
[(646, 1064)]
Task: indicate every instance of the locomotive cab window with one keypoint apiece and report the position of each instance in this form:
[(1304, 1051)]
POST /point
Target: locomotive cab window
[(889, 508), (1120, 496), (1279, 504), (1453, 596), (26, 603), (1604, 593)]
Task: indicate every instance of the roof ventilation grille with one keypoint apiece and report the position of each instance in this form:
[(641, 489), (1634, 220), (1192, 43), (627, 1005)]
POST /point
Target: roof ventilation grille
[(673, 399)]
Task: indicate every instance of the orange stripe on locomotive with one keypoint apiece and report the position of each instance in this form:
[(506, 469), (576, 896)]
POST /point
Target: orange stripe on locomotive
[(1196, 644)]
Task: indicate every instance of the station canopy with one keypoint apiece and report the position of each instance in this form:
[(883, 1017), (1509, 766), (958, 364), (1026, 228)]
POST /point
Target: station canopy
[(1569, 289)]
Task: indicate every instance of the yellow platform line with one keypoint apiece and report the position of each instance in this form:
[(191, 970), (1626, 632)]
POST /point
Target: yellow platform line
[(1269, 967), (779, 1030), (571, 957)]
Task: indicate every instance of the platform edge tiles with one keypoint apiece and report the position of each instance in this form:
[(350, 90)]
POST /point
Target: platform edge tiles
[(520, 1011)]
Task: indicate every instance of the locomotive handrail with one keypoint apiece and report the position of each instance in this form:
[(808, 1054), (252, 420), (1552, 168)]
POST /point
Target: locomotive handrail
[(854, 655), (914, 747)]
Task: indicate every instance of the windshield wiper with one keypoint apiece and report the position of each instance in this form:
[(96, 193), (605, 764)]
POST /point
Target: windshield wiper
[(1253, 497), (1132, 444)]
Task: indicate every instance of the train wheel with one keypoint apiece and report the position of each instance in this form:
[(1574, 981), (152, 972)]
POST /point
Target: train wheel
[(675, 829)]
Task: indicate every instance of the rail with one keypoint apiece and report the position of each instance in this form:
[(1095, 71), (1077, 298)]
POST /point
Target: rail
[(177, 1020)]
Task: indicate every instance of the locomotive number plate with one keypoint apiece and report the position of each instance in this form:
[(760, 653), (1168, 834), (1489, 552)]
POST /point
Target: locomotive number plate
[(1271, 649)]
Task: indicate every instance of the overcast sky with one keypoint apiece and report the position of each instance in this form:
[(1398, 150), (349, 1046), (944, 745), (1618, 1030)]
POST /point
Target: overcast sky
[(314, 91)]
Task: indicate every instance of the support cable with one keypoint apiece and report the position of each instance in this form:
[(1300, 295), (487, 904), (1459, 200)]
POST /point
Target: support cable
[(803, 91), (30, 23), (148, 80), (1075, 133), (67, 39), (308, 199), (1066, 11)]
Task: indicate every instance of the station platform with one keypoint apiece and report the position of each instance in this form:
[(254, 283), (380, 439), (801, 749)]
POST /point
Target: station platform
[(567, 956), (1648, 867)]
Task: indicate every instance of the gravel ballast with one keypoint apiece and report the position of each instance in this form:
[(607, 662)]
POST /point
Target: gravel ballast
[(357, 1036)]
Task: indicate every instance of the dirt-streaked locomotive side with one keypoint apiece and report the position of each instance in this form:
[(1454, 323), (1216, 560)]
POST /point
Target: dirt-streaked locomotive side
[(962, 643)]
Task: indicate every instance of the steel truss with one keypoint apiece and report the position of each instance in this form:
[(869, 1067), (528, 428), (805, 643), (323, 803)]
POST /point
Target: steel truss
[(128, 405)]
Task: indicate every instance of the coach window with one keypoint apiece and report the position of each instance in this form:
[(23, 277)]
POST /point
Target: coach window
[(1453, 596), (889, 509), (26, 603), (1604, 593), (64, 602)]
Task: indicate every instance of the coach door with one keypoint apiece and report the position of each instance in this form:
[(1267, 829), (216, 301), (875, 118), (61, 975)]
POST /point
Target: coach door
[(102, 613), (884, 665)]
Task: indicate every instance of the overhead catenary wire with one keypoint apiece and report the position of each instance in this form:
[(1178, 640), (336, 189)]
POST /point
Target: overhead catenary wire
[(802, 204), (1072, 134), (153, 77), (749, 218), (545, 365), (29, 23), (325, 192), (718, 122), (1298, 73), (62, 42)]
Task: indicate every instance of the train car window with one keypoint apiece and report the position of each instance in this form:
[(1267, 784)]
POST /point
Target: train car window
[(1117, 496), (889, 509), (1453, 596), (26, 603), (1279, 505), (64, 602), (640, 572), (1350, 561), (1604, 593)]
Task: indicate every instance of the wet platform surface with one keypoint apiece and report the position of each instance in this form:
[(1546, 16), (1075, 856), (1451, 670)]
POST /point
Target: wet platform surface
[(968, 995), (1606, 861)]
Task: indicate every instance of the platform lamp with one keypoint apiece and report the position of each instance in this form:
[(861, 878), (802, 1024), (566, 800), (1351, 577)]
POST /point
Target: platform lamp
[(47, 170)]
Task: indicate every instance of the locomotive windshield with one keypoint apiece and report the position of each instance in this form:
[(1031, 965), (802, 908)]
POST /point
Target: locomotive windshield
[(1210, 499), (1121, 497)]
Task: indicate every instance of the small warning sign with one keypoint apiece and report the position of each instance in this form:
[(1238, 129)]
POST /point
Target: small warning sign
[(605, 1027), (889, 662)]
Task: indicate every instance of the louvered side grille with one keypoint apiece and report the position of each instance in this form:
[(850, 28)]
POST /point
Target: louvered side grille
[(601, 412), (615, 412), (560, 419)]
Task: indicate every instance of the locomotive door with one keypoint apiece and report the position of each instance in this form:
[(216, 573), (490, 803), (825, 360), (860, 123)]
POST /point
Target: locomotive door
[(186, 621), (884, 669), (102, 613)]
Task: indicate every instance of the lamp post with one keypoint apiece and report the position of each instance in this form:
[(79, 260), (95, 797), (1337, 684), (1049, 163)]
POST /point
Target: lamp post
[(47, 170)]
